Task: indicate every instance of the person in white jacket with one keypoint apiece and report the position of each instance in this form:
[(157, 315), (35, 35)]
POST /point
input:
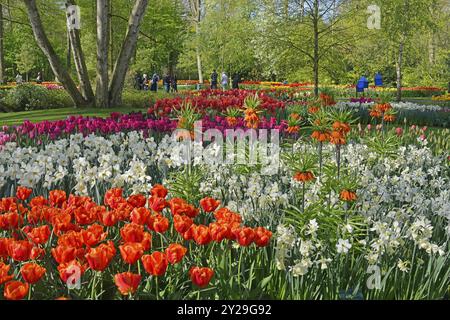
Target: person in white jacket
[(224, 81)]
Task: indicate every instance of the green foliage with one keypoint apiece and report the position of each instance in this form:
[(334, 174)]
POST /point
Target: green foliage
[(27, 97)]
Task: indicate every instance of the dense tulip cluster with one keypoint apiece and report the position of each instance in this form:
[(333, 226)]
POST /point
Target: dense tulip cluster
[(213, 100), (80, 234)]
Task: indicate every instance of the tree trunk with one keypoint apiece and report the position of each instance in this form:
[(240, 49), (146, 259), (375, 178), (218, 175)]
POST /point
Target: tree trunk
[(316, 19), (399, 71), (197, 40), (101, 94), (126, 52), (55, 63), (80, 62), (69, 52), (2, 53)]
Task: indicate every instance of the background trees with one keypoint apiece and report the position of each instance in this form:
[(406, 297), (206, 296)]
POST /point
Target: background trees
[(319, 41)]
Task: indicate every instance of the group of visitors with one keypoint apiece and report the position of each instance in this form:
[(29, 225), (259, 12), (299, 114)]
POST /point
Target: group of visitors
[(144, 82), (224, 80), (39, 78)]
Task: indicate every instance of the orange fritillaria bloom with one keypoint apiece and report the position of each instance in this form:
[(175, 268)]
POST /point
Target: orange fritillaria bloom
[(337, 138), (127, 282), (15, 290), (32, 272), (155, 263), (232, 121), (131, 252), (389, 117), (201, 276), (209, 204), (321, 136), (175, 253), (304, 176), (347, 195)]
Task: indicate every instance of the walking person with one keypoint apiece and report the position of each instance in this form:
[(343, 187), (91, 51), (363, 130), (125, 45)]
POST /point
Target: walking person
[(145, 82), (19, 79), (138, 81), (174, 83), (39, 78), (224, 81), (214, 78), (236, 80), (166, 82), (155, 79)]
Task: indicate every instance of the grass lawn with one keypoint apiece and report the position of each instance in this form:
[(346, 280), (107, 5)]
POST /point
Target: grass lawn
[(14, 118)]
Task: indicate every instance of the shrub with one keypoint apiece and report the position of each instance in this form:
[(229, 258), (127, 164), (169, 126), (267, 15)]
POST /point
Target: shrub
[(32, 97)]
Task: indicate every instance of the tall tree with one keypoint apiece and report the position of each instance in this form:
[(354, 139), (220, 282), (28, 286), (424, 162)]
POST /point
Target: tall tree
[(2, 54), (85, 96), (195, 10)]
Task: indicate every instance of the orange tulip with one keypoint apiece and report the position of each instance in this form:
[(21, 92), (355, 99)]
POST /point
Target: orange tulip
[(201, 276), (219, 231), (182, 223), (113, 198), (132, 232), (32, 272), (201, 235), (57, 198), (108, 218), (38, 201), (131, 252), (100, 257), (10, 220), (19, 250), (23, 193), (39, 235), (127, 282), (226, 215), (160, 224), (244, 236), (262, 236), (68, 269), (158, 191), (137, 200), (93, 235), (157, 204), (155, 263), (15, 290), (209, 204), (4, 270), (140, 215), (175, 253)]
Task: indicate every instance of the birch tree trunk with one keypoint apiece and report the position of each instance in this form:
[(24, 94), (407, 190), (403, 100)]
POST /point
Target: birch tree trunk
[(55, 63), (316, 59), (101, 93), (80, 62), (399, 71), (126, 52), (2, 53)]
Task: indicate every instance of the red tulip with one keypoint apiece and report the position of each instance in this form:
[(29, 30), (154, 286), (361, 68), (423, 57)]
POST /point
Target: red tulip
[(201, 276), (32, 272), (15, 290), (131, 252), (175, 253), (23, 193), (127, 282), (209, 204), (155, 263)]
